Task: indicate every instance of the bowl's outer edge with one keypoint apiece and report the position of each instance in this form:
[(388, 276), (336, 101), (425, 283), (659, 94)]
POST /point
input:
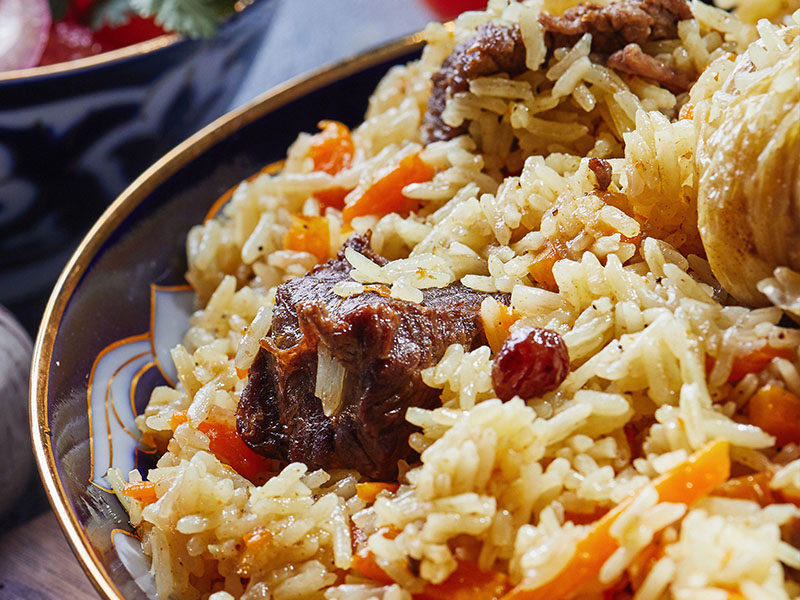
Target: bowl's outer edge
[(70, 277)]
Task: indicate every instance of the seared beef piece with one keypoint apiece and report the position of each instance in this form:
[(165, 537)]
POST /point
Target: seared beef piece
[(499, 49), (633, 60), (496, 49), (383, 344), (616, 25)]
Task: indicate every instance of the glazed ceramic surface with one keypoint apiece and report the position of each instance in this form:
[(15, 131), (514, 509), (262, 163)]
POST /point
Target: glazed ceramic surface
[(122, 302), (74, 135)]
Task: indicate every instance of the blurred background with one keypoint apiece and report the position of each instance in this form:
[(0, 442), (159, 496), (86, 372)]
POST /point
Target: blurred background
[(309, 33), (304, 35)]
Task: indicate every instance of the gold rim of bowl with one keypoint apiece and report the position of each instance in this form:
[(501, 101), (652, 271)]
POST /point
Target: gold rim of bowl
[(169, 164)]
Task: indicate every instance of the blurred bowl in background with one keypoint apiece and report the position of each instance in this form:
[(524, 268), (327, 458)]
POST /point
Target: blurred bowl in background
[(73, 135)]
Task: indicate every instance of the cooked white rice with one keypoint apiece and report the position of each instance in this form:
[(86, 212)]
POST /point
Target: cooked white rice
[(508, 486)]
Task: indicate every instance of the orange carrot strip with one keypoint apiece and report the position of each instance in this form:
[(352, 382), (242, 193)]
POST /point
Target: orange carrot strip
[(687, 482), (757, 361), (696, 477), (149, 440), (179, 418), (385, 195), (467, 582), (143, 491), (754, 362), (369, 490), (225, 443), (776, 411), (257, 537), (364, 562), (333, 197), (635, 240), (309, 234), (541, 269), (496, 333), (332, 148), (242, 373)]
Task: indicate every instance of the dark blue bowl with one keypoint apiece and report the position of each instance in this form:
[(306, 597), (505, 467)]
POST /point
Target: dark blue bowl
[(74, 135), (97, 326)]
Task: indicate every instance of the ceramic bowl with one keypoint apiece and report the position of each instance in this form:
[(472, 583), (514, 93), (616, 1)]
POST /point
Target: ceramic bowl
[(122, 302), (74, 135)]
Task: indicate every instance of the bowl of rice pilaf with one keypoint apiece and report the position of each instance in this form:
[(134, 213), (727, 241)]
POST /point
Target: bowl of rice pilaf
[(505, 310)]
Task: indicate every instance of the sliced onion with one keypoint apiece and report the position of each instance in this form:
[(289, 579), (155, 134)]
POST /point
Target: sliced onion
[(24, 30), (330, 381)]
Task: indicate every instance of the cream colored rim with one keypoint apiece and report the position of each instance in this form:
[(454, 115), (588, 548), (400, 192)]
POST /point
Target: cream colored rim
[(169, 164)]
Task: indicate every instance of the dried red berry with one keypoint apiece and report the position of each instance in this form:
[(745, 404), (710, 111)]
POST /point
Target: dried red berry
[(531, 362)]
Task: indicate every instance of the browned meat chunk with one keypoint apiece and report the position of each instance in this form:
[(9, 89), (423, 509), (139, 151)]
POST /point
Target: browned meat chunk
[(602, 172), (383, 344), (496, 49), (500, 49), (632, 59), (616, 25)]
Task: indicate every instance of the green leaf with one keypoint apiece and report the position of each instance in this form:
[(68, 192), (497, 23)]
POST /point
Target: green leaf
[(193, 18), (112, 13)]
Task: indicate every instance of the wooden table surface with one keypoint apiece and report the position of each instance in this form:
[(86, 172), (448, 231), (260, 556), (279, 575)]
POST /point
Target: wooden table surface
[(36, 563)]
